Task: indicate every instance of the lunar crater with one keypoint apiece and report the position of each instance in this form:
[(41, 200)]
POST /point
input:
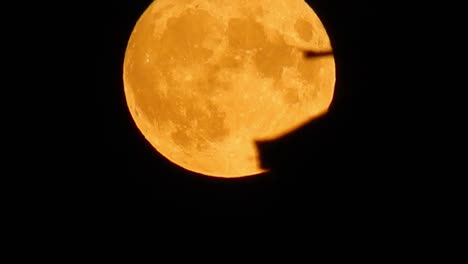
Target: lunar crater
[(304, 29)]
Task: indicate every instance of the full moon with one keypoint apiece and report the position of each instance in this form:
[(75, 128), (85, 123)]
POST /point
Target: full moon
[(204, 80)]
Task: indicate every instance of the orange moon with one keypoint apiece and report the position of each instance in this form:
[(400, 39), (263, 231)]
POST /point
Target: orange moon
[(204, 79)]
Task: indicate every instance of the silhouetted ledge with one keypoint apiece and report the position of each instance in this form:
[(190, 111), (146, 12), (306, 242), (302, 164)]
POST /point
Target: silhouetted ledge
[(315, 157), (313, 140)]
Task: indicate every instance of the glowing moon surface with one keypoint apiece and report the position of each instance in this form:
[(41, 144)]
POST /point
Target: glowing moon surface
[(205, 79)]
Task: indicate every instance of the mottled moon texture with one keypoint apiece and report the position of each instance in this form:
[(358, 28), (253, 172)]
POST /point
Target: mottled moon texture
[(205, 79)]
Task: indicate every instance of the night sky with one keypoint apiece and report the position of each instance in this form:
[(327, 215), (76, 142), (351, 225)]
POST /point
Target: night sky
[(323, 169)]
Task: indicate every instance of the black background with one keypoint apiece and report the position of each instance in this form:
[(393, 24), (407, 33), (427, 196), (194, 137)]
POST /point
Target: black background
[(363, 168), (368, 171), (330, 169)]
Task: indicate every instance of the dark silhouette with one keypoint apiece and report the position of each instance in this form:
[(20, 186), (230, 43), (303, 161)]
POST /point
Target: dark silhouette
[(312, 54)]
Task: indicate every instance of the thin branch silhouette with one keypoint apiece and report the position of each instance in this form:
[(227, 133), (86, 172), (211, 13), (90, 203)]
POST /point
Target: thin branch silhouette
[(313, 54)]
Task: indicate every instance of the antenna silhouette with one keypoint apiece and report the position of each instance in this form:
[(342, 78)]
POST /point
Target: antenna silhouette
[(313, 54)]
